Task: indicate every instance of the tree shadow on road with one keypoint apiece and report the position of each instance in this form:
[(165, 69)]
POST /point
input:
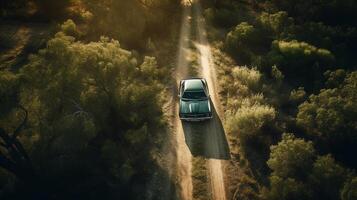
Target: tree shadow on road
[(207, 138)]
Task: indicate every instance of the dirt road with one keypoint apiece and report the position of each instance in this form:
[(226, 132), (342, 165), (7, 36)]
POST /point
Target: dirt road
[(184, 159), (205, 139), (219, 142)]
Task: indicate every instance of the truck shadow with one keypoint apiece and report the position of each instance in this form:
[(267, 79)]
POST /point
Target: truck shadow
[(207, 138)]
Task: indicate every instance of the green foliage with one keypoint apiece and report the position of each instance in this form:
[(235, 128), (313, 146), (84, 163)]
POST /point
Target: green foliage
[(241, 82), (327, 178), (84, 97), (300, 62), (297, 176), (330, 118), (248, 124), (277, 75), (240, 40), (248, 120), (349, 191), (335, 78), (291, 157), (297, 96), (248, 77), (277, 24), (69, 28), (287, 189)]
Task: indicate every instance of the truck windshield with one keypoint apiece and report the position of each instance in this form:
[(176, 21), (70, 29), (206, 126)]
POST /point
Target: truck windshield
[(194, 95)]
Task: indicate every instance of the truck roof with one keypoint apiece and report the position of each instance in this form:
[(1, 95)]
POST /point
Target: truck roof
[(193, 85)]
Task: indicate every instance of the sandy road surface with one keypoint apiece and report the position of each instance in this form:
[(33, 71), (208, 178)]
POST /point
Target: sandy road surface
[(219, 141), (184, 159)]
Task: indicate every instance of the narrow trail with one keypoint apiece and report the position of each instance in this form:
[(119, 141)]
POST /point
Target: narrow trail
[(208, 72), (184, 158)]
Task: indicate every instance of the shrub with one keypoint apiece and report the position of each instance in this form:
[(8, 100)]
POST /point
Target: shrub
[(69, 28), (248, 124), (248, 77), (297, 96), (300, 62), (287, 189), (327, 178), (240, 41), (330, 118), (291, 157), (277, 24), (277, 75)]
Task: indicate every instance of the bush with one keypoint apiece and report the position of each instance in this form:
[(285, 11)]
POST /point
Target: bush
[(291, 157), (287, 189), (240, 41), (327, 178), (69, 28), (249, 124), (297, 96), (335, 78), (300, 62), (248, 77), (248, 120), (277, 24), (330, 118), (242, 82)]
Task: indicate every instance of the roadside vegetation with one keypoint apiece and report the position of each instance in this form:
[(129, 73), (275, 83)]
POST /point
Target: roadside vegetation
[(81, 114), (288, 82)]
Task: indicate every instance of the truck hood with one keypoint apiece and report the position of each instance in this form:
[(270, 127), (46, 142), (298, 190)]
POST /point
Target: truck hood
[(195, 107)]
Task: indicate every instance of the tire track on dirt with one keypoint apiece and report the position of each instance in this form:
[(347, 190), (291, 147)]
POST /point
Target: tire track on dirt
[(208, 72), (184, 158)]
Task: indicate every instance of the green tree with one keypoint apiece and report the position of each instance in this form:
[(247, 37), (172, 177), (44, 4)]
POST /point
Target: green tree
[(327, 178), (85, 100), (278, 25), (241, 41), (291, 157), (300, 62), (330, 118), (287, 189)]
